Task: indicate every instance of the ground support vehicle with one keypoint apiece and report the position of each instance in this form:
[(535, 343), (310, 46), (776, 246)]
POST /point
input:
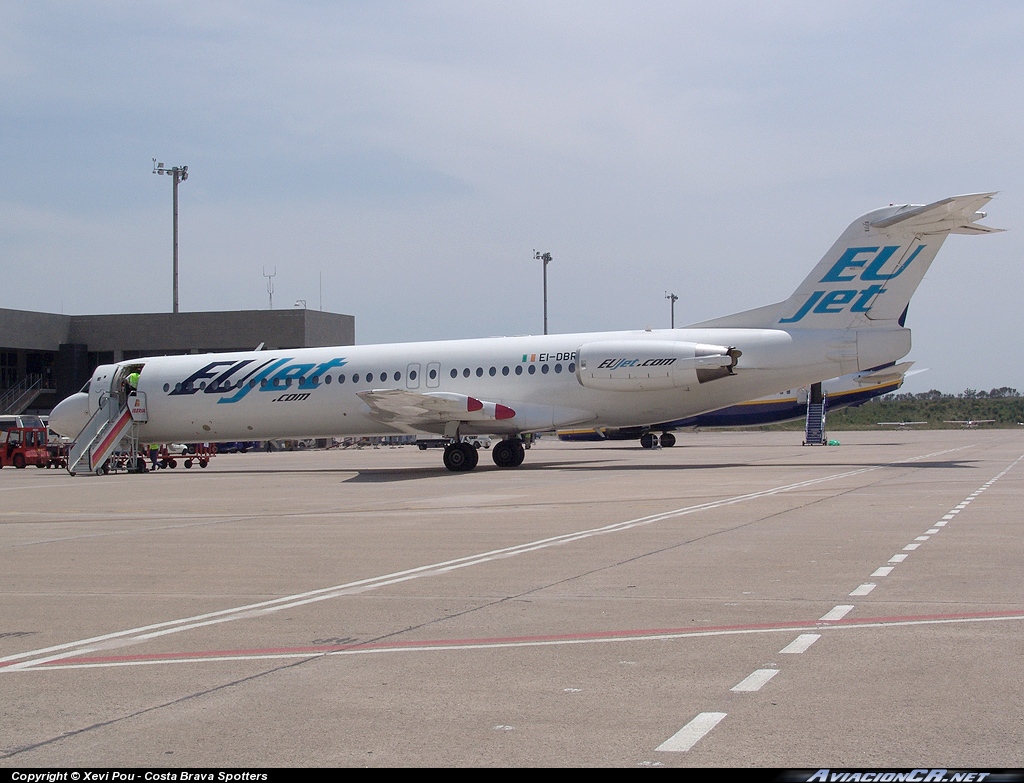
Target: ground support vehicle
[(201, 453), (23, 446)]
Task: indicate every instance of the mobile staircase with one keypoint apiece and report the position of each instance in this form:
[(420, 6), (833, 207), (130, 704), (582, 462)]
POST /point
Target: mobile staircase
[(814, 426), (109, 427)]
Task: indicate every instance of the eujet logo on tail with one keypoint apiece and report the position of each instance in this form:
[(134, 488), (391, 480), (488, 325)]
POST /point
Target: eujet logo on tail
[(242, 377), (858, 300)]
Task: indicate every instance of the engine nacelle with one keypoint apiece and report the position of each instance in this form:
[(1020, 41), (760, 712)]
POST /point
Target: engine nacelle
[(648, 365)]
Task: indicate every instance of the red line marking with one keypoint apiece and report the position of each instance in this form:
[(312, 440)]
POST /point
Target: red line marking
[(649, 632)]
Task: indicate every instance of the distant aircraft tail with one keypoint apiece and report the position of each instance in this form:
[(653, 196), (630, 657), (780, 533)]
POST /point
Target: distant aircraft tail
[(872, 270)]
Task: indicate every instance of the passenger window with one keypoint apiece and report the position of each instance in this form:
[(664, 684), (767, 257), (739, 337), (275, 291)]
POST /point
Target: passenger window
[(479, 372), (533, 369), (519, 369), (465, 372), (455, 373)]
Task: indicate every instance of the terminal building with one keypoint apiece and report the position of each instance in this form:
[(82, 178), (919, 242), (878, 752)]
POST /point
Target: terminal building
[(44, 357)]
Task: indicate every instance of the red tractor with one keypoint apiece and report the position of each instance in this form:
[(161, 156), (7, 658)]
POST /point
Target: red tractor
[(23, 446)]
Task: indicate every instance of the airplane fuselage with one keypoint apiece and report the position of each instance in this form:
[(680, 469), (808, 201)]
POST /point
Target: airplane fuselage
[(313, 392)]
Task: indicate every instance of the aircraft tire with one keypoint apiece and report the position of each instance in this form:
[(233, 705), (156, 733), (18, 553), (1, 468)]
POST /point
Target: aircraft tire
[(647, 440), (459, 457), (520, 454), (505, 453), (668, 440)]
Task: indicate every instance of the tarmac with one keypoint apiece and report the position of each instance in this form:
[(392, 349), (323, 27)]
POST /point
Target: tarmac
[(738, 600)]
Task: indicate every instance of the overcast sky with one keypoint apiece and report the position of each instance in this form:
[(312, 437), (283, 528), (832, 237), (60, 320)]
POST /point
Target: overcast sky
[(412, 156)]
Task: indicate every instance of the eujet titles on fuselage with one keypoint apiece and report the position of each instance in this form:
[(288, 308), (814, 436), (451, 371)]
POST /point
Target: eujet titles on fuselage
[(847, 316)]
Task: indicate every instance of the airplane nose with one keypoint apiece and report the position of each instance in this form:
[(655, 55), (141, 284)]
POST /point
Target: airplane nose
[(70, 415)]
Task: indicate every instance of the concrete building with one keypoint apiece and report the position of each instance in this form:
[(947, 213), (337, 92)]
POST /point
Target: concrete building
[(44, 357)]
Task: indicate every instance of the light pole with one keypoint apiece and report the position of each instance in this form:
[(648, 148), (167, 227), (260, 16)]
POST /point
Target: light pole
[(546, 258), (180, 174), (270, 285), (673, 299)]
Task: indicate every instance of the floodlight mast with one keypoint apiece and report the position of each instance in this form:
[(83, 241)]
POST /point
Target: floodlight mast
[(180, 174), (546, 258), (673, 299)]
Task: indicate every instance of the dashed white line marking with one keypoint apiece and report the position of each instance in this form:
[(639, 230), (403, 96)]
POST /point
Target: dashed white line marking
[(933, 531), (755, 681), (838, 613), (941, 524), (922, 538), (144, 633), (897, 558), (864, 589), (883, 571), (910, 547), (801, 643), (690, 734)]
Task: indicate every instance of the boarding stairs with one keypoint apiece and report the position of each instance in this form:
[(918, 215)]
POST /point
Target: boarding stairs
[(814, 429), (108, 427)]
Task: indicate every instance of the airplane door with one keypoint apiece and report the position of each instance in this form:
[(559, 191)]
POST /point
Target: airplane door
[(434, 375), (412, 376)]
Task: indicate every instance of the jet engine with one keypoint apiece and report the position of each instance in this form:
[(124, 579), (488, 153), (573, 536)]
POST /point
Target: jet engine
[(649, 365)]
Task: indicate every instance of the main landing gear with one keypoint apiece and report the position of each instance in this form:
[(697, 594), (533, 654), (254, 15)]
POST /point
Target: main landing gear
[(651, 441), (460, 455), (509, 453)]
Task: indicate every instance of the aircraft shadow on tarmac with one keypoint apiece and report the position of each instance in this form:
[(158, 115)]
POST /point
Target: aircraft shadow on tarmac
[(413, 473), (382, 475)]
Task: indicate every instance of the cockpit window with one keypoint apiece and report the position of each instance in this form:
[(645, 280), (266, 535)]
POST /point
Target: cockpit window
[(85, 388)]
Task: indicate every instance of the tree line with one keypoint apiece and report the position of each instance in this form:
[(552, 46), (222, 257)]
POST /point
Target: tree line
[(935, 408)]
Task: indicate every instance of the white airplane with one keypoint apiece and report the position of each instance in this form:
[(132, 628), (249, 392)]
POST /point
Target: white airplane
[(789, 405), (847, 316), (900, 424), (970, 424)]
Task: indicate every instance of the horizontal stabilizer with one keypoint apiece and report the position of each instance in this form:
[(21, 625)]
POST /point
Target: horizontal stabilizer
[(952, 214)]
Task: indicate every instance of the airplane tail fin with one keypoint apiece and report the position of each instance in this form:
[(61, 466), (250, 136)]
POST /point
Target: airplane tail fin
[(870, 273)]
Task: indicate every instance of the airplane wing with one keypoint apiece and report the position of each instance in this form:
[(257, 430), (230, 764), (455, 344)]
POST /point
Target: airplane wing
[(403, 407), (899, 423), (411, 411)]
